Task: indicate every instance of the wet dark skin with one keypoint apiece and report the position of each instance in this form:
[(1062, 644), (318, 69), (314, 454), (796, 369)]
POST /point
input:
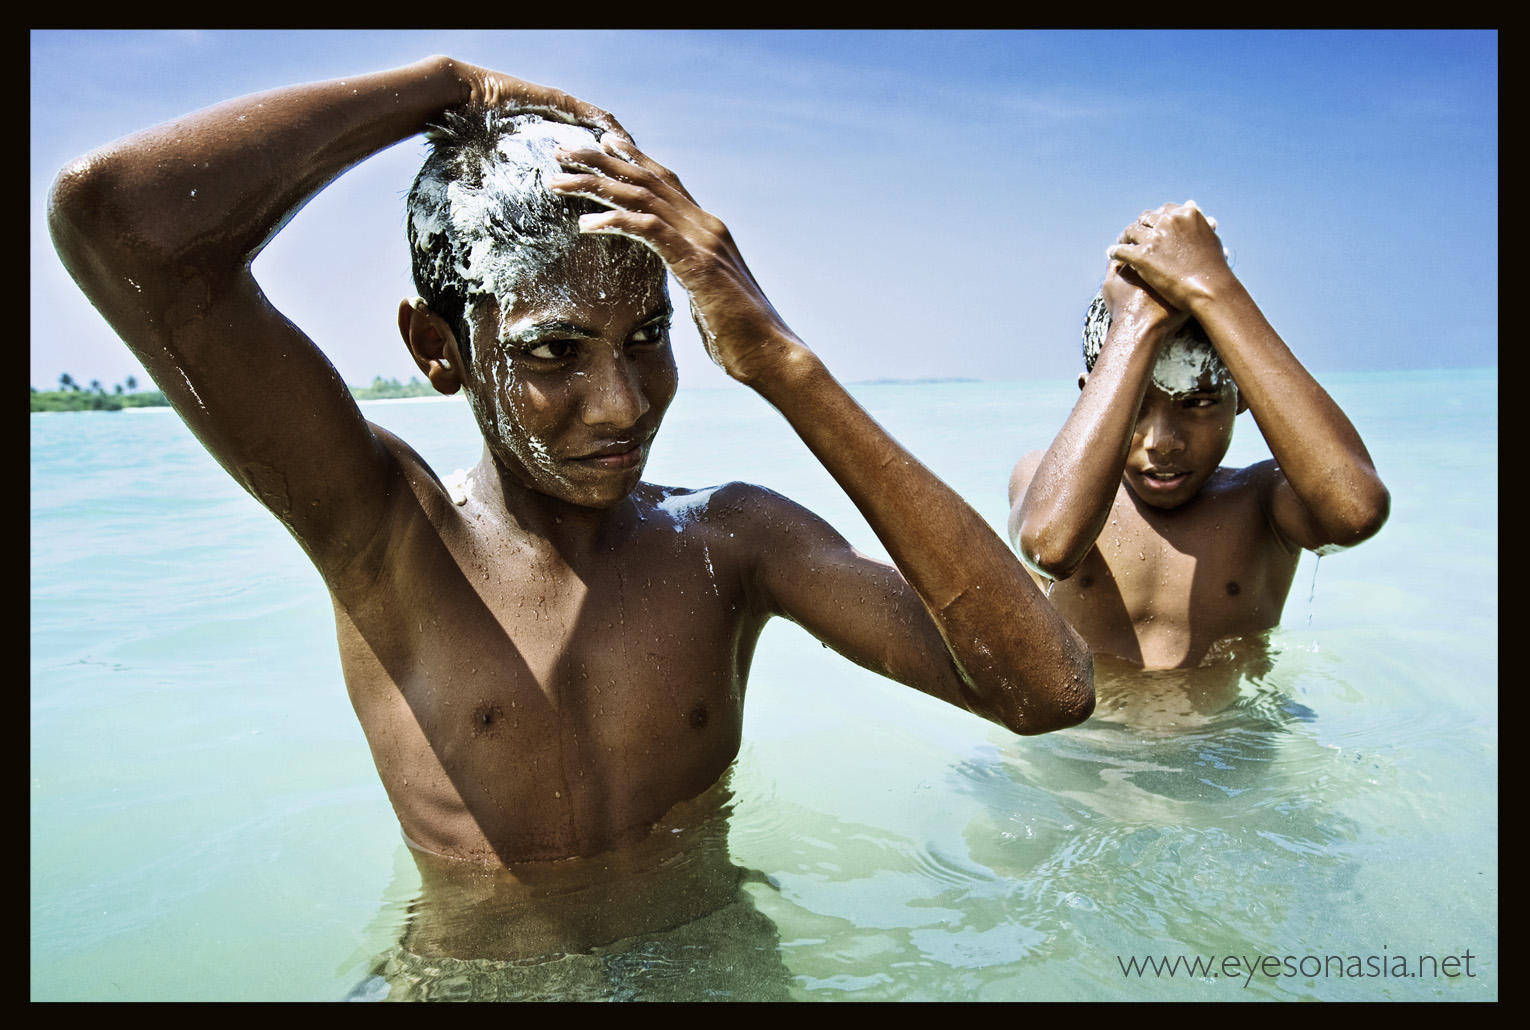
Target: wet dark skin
[(544, 670), (1158, 552)]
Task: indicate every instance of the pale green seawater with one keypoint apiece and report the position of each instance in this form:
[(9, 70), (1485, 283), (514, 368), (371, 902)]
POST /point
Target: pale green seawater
[(206, 822)]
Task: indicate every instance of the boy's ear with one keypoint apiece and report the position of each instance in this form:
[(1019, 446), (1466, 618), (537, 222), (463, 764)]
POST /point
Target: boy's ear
[(1083, 377), (1242, 403), (432, 344)]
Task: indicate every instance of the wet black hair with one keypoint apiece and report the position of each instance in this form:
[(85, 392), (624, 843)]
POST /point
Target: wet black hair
[(1097, 324), (499, 160)]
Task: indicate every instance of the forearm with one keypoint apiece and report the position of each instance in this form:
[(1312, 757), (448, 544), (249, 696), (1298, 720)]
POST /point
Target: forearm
[(1020, 663), (210, 189), (1318, 449), (1069, 498)]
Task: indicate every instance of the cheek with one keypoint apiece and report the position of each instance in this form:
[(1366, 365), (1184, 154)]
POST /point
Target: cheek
[(1215, 438), (661, 382)]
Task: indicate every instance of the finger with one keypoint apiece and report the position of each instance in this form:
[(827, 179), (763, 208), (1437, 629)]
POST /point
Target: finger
[(1192, 205), (568, 108), (648, 229), (500, 90), (644, 171), (628, 151), (604, 162), (605, 189)]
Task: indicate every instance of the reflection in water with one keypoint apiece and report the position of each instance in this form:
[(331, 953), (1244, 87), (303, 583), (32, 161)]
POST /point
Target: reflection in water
[(665, 920), (1196, 813), (1203, 812)]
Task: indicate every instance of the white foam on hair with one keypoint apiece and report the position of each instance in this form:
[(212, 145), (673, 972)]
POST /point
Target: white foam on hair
[(1183, 362), (465, 210)]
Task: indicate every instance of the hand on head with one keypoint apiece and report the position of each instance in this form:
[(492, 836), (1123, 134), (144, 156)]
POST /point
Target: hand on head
[(1174, 250), (1128, 297), (494, 89), (648, 203)]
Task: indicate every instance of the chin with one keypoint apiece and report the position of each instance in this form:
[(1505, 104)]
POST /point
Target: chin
[(595, 496)]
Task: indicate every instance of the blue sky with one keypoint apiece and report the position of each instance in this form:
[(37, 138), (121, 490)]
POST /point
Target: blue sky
[(917, 204)]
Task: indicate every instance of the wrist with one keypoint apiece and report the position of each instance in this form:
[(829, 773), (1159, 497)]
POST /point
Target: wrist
[(1205, 293), (1138, 331), (455, 79), (780, 367)]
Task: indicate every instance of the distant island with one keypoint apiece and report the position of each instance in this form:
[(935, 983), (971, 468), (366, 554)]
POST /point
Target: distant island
[(72, 396)]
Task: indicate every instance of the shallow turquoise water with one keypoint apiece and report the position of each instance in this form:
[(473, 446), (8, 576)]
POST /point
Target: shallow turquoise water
[(206, 823)]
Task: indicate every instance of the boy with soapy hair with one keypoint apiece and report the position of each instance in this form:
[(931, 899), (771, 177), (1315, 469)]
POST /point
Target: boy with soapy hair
[(1153, 551), (549, 655)]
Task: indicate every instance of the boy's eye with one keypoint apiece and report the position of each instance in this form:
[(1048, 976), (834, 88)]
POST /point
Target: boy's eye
[(1201, 402), (654, 333), (551, 350)]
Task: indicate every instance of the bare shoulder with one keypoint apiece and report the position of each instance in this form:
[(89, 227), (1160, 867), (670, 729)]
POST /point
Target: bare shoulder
[(424, 482), (750, 515), (777, 547), (1251, 479), (1249, 495), (410, 497)]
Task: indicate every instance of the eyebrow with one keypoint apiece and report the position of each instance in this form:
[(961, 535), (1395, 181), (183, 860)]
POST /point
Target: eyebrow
[(556, 327)]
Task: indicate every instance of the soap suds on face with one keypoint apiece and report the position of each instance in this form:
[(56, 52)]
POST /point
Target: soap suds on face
[(486, 230)]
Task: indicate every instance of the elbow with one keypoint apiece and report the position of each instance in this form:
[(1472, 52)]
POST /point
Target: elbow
[(1044, 553), (70, 203), (1064, 698), (100, 230), (80, 217), (1363, 517)]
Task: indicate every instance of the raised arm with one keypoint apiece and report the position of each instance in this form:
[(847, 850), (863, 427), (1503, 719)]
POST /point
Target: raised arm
[(1003, 652), (159, 230), (1328, 493), (1059, 509)]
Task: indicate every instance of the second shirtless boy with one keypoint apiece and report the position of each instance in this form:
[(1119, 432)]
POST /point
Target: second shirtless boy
[(1155, 551)]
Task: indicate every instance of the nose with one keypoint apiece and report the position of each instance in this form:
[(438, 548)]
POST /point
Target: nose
[(614, 395), (1159, 433)]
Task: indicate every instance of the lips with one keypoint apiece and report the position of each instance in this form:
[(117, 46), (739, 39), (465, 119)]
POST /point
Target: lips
[(1163, 479), (616, 455)]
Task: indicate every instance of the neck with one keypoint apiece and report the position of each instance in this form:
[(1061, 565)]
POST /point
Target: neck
[(535, 517)]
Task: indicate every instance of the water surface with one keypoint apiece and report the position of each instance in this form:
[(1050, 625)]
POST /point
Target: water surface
[(206, 823)]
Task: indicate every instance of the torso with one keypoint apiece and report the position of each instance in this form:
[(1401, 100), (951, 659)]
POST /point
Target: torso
[(1160, 587), (522, 705)]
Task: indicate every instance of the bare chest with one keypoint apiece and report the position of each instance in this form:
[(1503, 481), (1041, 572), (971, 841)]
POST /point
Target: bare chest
[(1160, 587), (534, 709)]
